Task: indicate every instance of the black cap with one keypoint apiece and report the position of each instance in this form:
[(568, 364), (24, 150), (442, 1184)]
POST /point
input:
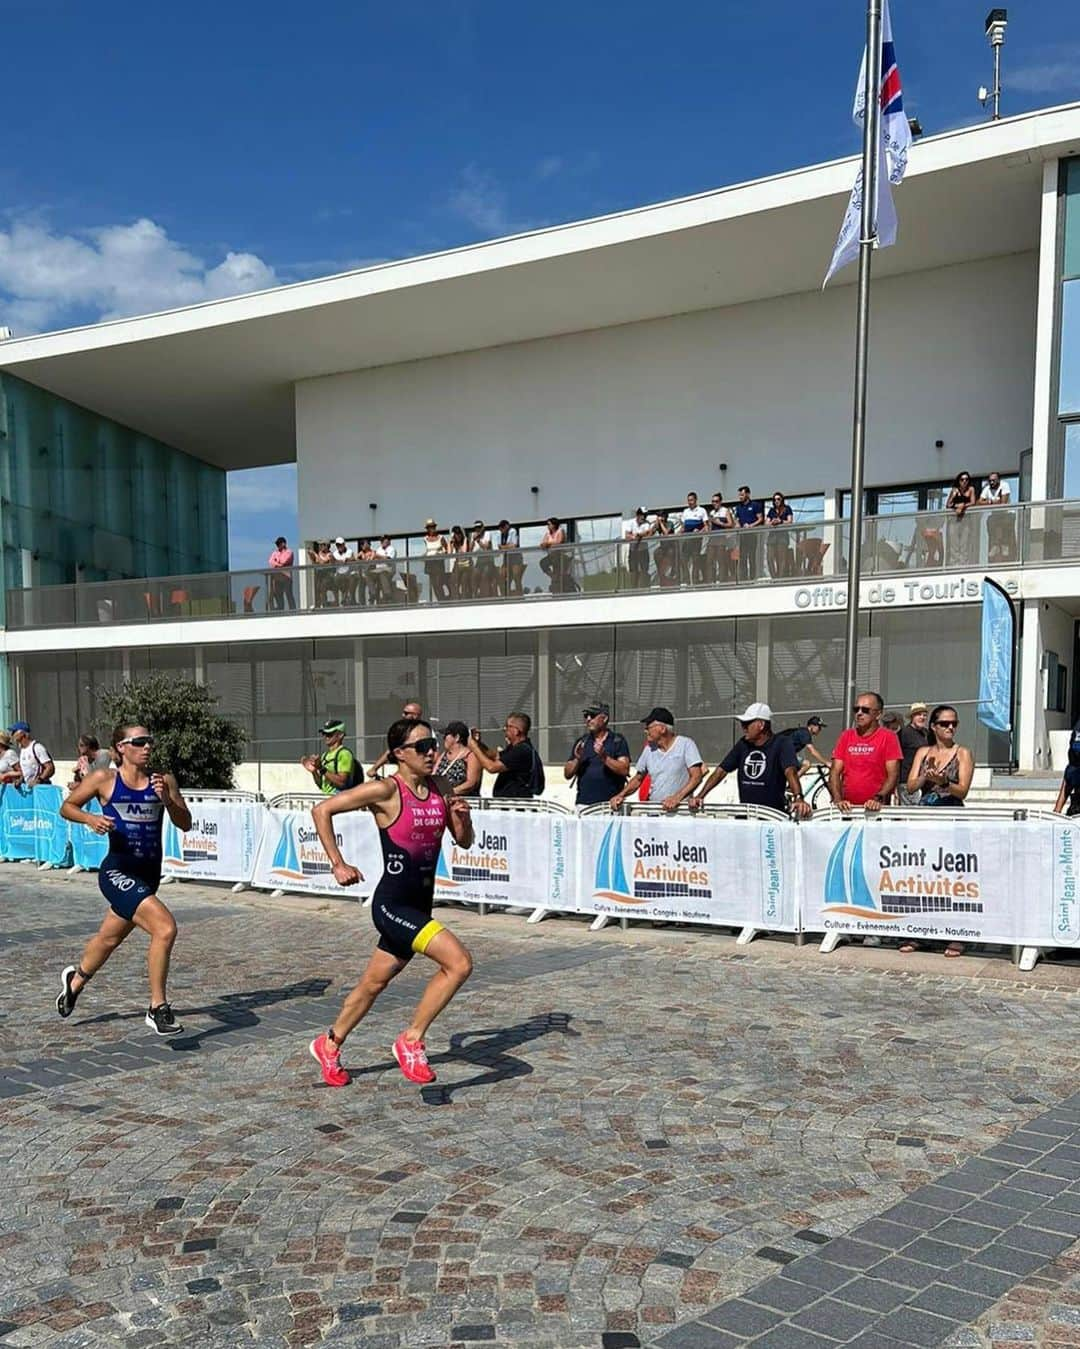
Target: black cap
[(659, 714), (597, 710), (815, 721)]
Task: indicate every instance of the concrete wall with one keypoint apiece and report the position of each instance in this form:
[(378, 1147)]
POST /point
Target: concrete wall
[(602, 420)]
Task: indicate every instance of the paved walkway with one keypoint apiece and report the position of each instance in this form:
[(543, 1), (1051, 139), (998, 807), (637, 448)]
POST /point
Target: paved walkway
[(649, 1137)]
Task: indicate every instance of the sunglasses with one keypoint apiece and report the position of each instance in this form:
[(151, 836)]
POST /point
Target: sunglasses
[(139, 741), (951, 724), (865, 711), (424, 746)]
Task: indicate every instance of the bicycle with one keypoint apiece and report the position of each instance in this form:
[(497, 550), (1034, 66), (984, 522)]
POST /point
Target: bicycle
[(815, 792)]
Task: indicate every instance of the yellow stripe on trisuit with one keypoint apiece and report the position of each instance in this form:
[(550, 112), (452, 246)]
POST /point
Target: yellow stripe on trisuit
[(424, 937)]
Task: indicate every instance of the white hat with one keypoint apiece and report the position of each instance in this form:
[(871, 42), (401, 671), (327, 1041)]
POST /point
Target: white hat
[(756, 711), (339, 539)]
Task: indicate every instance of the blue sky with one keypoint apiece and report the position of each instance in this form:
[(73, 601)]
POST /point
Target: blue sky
[(156, 156)]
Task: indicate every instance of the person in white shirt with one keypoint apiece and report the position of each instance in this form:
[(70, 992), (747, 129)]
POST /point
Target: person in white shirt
[(485, 561), (383, 570), (693, 520), (1000, 527), (35, 761), (513, 564), (345, 574), (636, 531), (719, 566), (9, 760)]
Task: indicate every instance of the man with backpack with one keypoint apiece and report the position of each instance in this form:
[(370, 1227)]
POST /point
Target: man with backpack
[(519, 769), (336, 768)]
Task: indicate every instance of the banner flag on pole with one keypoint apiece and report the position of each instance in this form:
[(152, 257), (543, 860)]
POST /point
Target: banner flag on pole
[(892, 156), (996, 659)]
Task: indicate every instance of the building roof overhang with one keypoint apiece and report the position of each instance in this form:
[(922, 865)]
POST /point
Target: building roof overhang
[(216, 379)]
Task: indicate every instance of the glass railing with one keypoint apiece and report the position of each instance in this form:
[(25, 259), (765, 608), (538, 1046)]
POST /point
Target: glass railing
[(1047, 533)]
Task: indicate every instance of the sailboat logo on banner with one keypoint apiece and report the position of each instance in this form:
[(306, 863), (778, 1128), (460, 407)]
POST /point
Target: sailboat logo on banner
[(846, 890), (609, 881), (443, 879), (174, 848)]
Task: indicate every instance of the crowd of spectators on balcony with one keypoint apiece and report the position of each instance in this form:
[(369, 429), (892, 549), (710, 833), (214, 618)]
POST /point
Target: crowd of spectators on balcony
[(719, 543)]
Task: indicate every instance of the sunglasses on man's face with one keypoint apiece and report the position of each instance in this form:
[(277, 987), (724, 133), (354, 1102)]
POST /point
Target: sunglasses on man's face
[(139, 741), (425, 746), (861, 711)]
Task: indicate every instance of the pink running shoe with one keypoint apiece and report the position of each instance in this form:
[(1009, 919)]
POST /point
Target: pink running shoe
[(328, 1057), (412, 1060)]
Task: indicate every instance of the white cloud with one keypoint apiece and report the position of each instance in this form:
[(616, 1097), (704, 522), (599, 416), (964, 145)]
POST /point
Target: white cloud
[(1059, 73), (481, 201), (48, 278)]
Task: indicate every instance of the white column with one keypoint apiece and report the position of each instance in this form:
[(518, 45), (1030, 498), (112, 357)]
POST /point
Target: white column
[(1044, 477), (1032, 744), (543, 693), (199, 652), (761, 673), (359, 693)]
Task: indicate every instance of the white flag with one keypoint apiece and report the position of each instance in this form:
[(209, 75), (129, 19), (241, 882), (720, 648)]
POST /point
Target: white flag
[(893, 146)]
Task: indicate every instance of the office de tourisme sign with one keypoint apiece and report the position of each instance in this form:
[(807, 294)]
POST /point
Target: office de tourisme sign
[(883, 594)]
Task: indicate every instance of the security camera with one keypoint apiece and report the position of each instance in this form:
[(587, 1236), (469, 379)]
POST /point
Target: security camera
[(722, 468)]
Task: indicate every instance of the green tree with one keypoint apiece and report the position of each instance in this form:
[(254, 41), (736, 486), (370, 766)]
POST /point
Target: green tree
[(191, 740)]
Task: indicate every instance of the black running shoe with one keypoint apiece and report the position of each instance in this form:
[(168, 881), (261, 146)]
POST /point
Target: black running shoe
[(161, 1020), (65, 1003)]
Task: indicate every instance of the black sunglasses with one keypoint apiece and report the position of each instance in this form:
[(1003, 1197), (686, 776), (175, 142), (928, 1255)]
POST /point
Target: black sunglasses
[(424, 746), (952, 724), (139, 741), (865, 711)]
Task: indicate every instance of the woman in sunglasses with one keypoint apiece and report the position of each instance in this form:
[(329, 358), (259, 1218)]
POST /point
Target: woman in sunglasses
[(133, 799), (411, 810), (941, 771)]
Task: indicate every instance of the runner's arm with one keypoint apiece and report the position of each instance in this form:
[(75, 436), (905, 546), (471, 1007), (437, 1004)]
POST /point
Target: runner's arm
[(83, 792), (175, 804), (356, 798), (458, 815)]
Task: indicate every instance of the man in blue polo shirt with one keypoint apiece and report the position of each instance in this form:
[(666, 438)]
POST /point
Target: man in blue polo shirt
[(599, 760), (749, 514)]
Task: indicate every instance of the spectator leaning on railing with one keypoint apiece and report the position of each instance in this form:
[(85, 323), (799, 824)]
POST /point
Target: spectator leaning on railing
[(281, 594), (672, 762), (766, 766)]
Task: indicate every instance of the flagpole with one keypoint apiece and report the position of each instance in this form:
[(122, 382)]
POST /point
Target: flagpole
[(868, 232)]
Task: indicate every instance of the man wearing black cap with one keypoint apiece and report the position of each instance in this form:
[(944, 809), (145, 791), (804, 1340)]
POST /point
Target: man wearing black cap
[(672, 762), (802, 738), (335, 768), (599, 760)]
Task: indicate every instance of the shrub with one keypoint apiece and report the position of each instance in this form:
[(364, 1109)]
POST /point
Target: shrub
[(191, 740)]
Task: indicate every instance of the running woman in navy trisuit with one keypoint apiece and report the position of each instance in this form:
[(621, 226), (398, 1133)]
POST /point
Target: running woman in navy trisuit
[(411, 809), (133, 799)]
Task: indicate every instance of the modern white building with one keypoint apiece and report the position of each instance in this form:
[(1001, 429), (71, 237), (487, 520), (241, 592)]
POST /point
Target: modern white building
[(579, 372)]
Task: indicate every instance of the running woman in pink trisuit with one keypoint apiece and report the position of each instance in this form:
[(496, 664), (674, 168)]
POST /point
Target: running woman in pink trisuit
[(412, 810)]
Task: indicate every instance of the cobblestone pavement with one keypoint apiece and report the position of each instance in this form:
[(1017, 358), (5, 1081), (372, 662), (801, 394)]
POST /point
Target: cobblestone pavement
[(650, 1137)]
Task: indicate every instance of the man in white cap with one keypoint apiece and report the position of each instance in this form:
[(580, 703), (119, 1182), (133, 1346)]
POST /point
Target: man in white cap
[(766, 764)]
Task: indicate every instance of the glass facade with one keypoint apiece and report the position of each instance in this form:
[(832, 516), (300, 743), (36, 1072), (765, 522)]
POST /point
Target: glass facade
[(707, 671), (83, 498)]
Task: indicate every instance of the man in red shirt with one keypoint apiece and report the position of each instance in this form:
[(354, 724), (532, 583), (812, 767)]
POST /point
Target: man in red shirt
[(866, 760)]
